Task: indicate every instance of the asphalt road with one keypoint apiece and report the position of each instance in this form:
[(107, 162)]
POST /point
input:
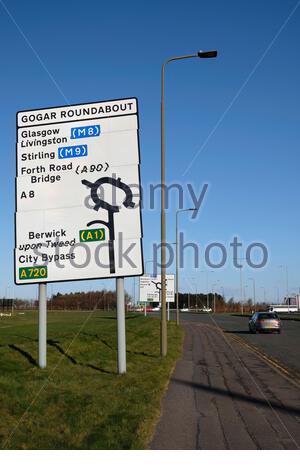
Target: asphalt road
[(223, 396), (284, 347)]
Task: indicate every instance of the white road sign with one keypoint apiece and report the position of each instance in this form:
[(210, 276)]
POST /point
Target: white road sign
[(78, 193), (150, 288)]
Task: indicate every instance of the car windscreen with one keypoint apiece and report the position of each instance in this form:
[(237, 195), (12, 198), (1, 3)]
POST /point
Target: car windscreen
[(267, 316)]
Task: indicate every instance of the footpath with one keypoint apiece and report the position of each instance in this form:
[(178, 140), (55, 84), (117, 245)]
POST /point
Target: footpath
[(223, 396)]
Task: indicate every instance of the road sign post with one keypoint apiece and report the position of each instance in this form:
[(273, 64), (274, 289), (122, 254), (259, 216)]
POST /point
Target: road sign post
[(121, 330), (42, 325)]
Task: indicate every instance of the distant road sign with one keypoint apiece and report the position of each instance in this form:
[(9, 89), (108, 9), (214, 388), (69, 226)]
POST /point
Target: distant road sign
[(150, 288), (78, 193)]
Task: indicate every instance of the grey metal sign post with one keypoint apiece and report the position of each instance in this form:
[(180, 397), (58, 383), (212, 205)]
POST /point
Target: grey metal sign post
[(121, 325), (42, 325)]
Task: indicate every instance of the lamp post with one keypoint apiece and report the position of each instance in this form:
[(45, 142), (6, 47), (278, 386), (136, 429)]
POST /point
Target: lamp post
[(214, 293), (254, 303), (134, 291), (148, 261), (214, 298), (262, 287), (277, 291), (145, 305), (177, 260), (241, 284), (194, 285), (191, 285), (286, 279), (223, 296), (203, 271), (163, 322), (7, 289), (241, 289), (244, 293), (207, 295), (223, 292)]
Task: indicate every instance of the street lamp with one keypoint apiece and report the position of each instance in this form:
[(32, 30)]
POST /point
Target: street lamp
[(194, 285), (223, 292), (7, 289), (207, 294), (145, 305), (214, 292), (214, 298), (177, 260), (207, 272), (223, 297), (191, 285), (163, 321), (146, 262), (241, 284), (277, 292), (286, 279), (262, 287), (254, 303), (244, 293)]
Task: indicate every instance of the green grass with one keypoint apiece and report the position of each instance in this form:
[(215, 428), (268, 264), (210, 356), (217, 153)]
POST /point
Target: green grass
[(289, 316), (79, 401)]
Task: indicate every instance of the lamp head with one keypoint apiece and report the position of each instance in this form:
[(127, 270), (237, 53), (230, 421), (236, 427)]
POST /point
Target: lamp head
[(207, 54)]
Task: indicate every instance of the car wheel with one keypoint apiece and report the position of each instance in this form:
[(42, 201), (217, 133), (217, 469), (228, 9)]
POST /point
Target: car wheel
[(279, 332)]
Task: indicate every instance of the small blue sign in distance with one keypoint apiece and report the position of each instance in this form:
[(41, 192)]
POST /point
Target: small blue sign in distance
[(73, 151), (85, 131)]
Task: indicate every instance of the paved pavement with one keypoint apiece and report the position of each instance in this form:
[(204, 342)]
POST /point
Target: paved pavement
[(223, 396)]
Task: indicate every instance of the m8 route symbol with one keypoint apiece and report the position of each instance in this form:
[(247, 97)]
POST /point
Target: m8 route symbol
[(85, 131)]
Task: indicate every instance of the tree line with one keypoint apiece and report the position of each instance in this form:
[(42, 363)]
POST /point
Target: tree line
[(106, 300)]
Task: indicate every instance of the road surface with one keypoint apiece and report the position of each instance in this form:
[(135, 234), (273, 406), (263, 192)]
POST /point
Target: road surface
[(224, 396), (285, 347)]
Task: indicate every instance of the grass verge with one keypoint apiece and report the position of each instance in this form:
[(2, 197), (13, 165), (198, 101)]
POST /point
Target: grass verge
[(79, 401)]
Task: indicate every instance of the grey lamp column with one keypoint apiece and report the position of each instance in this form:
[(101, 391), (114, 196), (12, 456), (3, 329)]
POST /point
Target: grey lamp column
[(163, 322), (254, 302), (177, 261)]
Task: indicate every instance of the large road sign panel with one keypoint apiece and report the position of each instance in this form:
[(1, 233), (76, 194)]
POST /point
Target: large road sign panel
[(78, 193)]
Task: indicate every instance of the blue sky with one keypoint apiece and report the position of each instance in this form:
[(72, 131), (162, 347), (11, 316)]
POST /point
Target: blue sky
[(246, 100)]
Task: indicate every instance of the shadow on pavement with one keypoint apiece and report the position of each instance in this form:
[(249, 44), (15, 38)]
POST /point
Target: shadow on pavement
[(240, 397)]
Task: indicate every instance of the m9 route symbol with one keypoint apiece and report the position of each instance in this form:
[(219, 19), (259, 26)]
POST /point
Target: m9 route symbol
[(85, 131), (73, 151)]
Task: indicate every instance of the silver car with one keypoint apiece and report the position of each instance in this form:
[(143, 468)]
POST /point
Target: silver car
[(264, 321)]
